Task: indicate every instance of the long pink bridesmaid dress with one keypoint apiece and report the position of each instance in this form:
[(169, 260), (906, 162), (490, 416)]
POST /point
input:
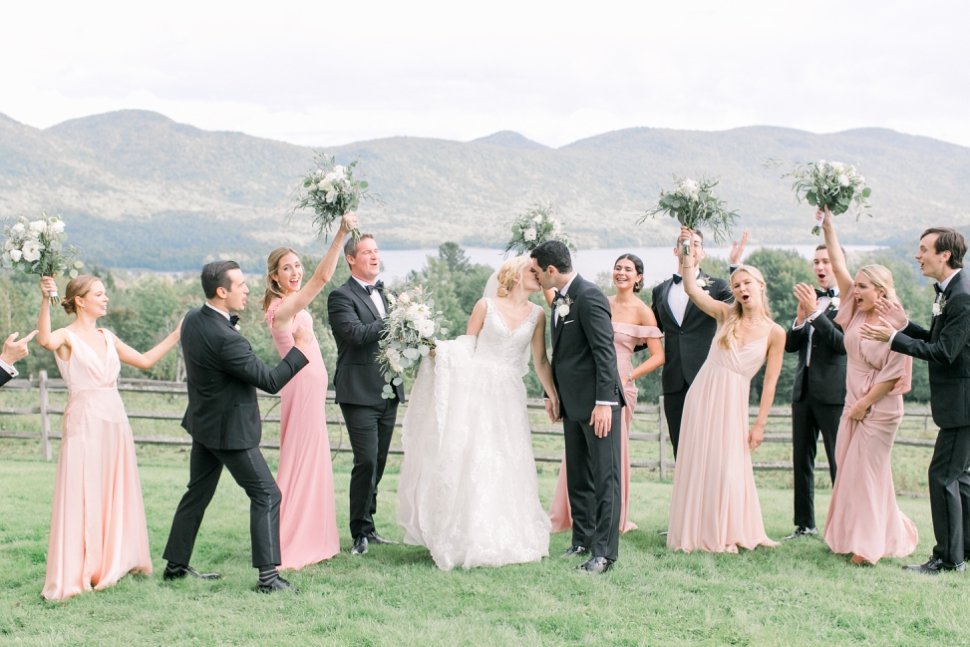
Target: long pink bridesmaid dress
[(98, 529), (308, 516), (714, 506), (863, 517), (626, 337)]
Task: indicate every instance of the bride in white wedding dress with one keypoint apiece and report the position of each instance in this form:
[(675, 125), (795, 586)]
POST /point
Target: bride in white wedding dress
[(468, 489)]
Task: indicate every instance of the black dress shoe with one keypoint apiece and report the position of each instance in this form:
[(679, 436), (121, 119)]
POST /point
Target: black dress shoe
[(276, 584), (360, 546), (178, 571), (801, 531), (374, 538), (573, 551), (935, 566), (596, 565)]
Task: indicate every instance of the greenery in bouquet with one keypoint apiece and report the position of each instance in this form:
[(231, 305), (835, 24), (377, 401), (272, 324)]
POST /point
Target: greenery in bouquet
[(331, 190), (533, 227), (693, 204), (830, 185), (411, 330), (38, 247)]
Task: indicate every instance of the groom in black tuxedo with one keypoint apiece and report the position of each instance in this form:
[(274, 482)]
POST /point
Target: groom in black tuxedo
[(946, 348), (819, 390), (356, 311), (591, 396), (688, 332), (223, 419)]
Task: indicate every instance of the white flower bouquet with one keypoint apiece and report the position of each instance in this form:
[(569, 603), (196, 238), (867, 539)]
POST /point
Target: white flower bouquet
[(535, 226), (694, 205), (331, 190), (411, 329), (37, 247), (830, 185)]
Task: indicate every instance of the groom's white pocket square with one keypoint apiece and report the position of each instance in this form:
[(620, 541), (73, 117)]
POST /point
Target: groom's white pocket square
[(568, 321)]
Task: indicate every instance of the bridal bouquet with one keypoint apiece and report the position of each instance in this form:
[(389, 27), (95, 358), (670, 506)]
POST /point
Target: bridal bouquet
[(693, 204), (37, 247), (830, 185), (535, 226), (410, 333), (331, 190)]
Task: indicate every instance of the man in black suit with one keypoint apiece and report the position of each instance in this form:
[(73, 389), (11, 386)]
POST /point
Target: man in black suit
[(819, 390), (14, 350), (946, 348), (688, 331), (356, 311), (223, 419), (591, 396)]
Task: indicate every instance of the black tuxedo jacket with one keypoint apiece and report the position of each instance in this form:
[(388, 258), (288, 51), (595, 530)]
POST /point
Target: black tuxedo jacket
[(4, 377), (223, 374), (686, 345), (357, 327), (583, 355), (946, 347), (824, 378)]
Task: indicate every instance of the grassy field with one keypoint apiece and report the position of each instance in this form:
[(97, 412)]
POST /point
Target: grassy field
[(796, 594)]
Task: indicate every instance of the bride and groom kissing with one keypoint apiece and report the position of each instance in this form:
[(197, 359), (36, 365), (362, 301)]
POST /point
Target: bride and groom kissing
[(468, 488)]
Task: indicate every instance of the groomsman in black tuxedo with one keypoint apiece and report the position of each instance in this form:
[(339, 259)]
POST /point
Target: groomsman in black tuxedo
[(946, 348), (222, 375), (688, 331), (356, 311), (591, 396), (819, 390), (14, 350)]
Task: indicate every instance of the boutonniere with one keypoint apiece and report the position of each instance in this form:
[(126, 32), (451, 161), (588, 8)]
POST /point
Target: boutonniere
[(835, 303), (562, 309), (702, 282), (938, 306), (238, 328)]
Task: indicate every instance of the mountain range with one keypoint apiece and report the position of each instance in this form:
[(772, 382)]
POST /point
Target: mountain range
[(139, 190)]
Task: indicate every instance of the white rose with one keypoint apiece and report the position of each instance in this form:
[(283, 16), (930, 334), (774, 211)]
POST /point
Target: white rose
[(31, 251), (339, 171), (425, 327), (537, 219), (55, 227), (393, 360), (37, 226), (404, 298), (529, 234), (18, 229), (843, 179), (331, 196), (562, 310), (15, 255)]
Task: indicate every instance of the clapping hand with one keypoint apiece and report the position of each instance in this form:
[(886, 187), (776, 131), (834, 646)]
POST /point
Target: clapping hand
[(807, 301), (892, 317)]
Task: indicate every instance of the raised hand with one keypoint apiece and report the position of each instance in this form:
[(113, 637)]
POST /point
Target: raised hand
[(807, 300), (48, 286), (892, 313), (737, 248), (348, 222), (14, 350)]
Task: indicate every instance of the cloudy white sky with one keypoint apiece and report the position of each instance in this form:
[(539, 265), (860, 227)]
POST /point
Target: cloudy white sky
[(328, 73)]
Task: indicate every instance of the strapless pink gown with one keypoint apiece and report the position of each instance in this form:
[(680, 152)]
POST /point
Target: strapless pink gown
[(98, 529), (308, 516), (626, 337)]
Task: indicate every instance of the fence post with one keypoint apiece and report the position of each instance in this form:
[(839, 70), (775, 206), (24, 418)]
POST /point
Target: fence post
[(661, 419), (45, 420)]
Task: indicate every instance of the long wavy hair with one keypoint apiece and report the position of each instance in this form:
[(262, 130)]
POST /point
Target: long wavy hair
[(729, 329), (273, 289)]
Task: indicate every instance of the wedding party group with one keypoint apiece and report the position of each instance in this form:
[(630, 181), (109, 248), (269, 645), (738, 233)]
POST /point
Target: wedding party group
[(468, 487)]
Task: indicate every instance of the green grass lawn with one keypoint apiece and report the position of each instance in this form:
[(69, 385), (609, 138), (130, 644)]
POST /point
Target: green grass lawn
[(797, 594)]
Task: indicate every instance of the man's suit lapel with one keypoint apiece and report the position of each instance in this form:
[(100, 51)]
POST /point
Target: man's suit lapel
[(571, 296), (358, 291), (664, 305)]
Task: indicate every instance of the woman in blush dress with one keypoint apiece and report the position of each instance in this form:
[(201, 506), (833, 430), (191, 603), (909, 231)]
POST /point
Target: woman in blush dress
[(634, 325), (468, 489), (864, 520), (98, 529), (714, 506), (308, 517)]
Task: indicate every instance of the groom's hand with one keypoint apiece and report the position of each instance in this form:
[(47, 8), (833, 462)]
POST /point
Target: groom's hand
[(602, 420)]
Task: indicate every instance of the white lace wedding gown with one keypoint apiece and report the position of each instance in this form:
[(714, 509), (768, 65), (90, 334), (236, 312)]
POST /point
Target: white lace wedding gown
[(468, 489)]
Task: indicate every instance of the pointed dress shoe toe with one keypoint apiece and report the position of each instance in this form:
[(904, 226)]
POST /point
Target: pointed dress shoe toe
[(935, 566), (374, 538), (596, 565), (277, 584), (576, 550), (178, 571), (360, 546), (801, 531)]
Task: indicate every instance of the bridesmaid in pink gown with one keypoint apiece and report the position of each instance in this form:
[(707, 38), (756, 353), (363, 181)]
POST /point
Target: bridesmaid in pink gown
[(308, 517), (714, 506), (864, 520), (633, 325), (98, 529)]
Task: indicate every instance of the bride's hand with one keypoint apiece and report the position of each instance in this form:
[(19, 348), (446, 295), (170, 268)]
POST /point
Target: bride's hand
[(552, 409)]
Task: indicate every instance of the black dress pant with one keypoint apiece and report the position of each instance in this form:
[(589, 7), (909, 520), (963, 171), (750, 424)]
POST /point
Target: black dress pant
[(809, 417), (249, 469), (950, 495), (674, 412), (370, 429)]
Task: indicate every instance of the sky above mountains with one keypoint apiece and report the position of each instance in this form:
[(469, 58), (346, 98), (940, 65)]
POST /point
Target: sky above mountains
[(322, 74)]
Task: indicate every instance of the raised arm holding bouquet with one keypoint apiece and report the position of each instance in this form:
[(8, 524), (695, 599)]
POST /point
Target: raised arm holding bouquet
[(331, 190), (830, 185), (37, 247)]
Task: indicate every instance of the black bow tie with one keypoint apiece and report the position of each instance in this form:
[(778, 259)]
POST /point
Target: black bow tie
[(559, 297), (937, 288), (233, 320), (677, 278), (379, 286), (825, 293)]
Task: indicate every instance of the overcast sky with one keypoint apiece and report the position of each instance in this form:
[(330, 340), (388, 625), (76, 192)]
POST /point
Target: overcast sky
[(327, 73)]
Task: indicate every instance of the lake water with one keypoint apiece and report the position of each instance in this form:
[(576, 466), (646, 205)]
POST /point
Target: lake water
[(658, 262)]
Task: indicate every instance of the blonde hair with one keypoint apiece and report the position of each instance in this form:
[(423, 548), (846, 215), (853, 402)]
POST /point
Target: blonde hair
[(729, 329), (509, 274), (273, 288), (882, 279), (79, 286)]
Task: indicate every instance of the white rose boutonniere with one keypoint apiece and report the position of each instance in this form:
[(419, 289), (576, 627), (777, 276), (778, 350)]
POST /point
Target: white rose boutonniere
[(835, 303), (562, 309), (702, 283), (938, 307)]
